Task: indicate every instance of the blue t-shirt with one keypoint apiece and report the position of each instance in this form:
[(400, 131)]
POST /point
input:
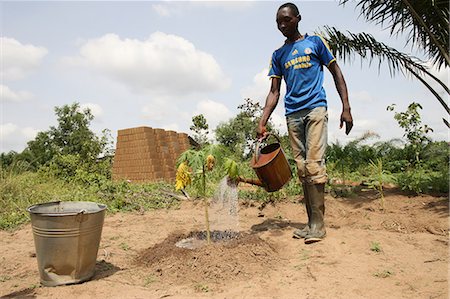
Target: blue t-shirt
[(301, 64)]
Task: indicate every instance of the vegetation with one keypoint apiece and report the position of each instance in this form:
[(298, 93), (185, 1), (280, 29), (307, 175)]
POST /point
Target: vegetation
[(425, 24), (200, 129), (54, 167)]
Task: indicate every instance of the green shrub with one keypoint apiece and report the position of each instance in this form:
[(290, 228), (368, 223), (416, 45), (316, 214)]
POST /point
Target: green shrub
[(422, 180), (19, 191)]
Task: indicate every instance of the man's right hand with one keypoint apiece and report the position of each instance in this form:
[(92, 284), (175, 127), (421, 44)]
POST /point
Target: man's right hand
[(261, 132)]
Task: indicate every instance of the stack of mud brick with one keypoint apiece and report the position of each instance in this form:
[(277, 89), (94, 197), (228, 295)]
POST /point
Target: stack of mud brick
[(145, 154)]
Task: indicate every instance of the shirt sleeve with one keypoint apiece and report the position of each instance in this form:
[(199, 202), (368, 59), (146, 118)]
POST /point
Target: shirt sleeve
[(274, 68), (324, 52)]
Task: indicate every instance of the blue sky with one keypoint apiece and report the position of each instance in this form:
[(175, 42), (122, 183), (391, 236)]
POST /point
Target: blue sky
[(158, 64)]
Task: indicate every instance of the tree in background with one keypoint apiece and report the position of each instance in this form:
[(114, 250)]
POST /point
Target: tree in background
[(427, 27), (72, 136), (415, 131), (239, 133), (200, 129)]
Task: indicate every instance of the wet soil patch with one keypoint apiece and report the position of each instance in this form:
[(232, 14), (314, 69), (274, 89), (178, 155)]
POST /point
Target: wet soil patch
[(233, 256)]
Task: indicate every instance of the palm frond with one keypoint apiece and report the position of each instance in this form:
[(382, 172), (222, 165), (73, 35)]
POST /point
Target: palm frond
[(426, 23), (366, 46)]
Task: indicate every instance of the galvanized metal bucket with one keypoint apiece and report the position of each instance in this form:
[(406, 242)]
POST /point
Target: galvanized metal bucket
[(66, 236)]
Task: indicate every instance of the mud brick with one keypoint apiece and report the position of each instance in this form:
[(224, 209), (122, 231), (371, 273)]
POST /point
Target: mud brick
[(124, 132), (122, 138), (144, 153)]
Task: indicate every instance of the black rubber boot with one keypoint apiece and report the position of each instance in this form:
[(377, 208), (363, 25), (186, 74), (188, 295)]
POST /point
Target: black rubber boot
[(301, 233), (317, 232)]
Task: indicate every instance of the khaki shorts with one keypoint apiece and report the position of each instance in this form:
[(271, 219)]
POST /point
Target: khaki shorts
[(308, 136)]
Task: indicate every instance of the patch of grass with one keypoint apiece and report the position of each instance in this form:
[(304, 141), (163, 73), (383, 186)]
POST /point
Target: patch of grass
[(124, 246), (375, 247), (149, 280), (305, 254), (383, 274), (279, 216), (4, 278), (21, 190), (200, 287)]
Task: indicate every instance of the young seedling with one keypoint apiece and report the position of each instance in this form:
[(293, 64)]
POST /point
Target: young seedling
[(124, 246), (149, 280), (197, 162), (200, 287), (383, 274), (378, 177), (375, 247)]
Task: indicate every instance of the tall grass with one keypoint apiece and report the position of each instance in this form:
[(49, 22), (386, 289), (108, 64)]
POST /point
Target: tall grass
[(20, 189)]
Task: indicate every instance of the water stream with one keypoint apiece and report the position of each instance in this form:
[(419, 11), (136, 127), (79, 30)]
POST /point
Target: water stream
[(224, 207), (223, 217)]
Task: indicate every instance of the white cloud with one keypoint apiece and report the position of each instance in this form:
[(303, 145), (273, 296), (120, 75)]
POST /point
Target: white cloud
[(13, 137), (158, 109), (163, 64), (18, 59), (361, 96), (258, 92), (96, 109), (161, 9), (227, 5), (259, 89), (171, 127), (214, 112), (9, 95), (279, 121)]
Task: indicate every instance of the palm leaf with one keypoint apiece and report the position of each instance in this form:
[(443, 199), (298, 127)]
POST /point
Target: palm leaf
[(366, 46), (424, 21)]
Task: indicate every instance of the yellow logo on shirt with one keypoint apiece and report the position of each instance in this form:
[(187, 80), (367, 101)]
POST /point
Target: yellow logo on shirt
[(294, 52), (301, 62)]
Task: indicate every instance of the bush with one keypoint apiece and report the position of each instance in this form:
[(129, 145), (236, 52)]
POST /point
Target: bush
[(19, 191), (422, 180)]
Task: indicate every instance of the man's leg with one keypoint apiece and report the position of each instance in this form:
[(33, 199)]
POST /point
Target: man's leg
[(301, 233), (296, 129), (316, 176)]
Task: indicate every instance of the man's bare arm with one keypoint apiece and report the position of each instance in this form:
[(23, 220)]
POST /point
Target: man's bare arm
[(271, 104), (341, 86)]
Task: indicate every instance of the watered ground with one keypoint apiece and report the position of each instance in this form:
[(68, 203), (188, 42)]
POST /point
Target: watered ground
[(401, 252)]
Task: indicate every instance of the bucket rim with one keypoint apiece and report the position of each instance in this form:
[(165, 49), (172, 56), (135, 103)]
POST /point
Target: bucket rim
[(274, 154), (102, 207)]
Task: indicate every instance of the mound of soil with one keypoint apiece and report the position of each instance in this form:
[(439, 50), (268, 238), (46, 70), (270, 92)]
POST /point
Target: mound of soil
[(244, 256)]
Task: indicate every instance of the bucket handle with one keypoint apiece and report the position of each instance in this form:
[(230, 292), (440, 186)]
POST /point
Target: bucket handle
[(258, 143), (81, 216)]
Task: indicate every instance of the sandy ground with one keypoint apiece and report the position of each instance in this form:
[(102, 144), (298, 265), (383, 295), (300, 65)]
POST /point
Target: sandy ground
[(399, 252)]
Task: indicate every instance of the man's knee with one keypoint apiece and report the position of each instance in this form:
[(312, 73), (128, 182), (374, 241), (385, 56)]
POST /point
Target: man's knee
[(315, 171)]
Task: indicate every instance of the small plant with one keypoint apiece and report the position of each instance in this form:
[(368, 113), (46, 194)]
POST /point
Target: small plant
[(416, 132), (200, 162), (149, 280), (124, 246), (375, 247), (383, 274), (377, 177), (200, 287), (305, 254)]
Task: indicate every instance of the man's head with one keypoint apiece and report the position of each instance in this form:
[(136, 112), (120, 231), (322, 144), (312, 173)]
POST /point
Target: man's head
[(288, 17)]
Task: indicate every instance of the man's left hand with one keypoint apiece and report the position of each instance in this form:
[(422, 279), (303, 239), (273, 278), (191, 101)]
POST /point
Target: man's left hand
[(346, 117)]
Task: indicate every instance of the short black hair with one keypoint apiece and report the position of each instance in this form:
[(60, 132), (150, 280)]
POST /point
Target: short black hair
[(292, 6)]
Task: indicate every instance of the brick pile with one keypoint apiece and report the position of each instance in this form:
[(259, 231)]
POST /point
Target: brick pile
[(145, 154)]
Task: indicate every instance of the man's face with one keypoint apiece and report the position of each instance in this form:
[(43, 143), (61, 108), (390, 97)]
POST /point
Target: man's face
[(287, 22)]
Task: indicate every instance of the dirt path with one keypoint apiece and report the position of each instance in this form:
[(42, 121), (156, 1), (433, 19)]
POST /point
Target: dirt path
[(368, 253)]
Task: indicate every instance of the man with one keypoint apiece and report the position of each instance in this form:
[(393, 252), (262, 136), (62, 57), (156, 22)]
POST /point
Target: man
[(300, 62)]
